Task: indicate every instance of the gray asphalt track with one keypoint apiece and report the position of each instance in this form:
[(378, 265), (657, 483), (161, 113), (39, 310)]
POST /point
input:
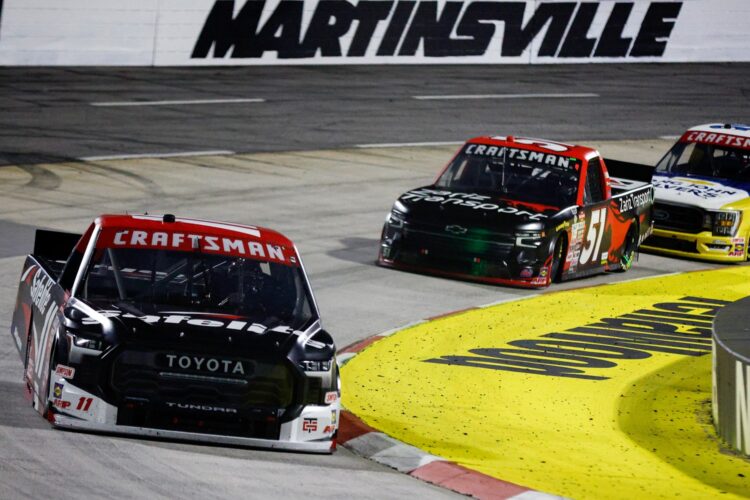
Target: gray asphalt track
[(331, 202), (46, 113)]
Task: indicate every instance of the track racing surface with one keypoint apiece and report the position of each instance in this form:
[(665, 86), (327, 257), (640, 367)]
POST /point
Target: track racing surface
[(290, 163)]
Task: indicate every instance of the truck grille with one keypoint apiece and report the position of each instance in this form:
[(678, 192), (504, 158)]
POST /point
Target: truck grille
[(678, 218), (455, 254), (150, 394), (671, 244), (140, 374), (442, 242)]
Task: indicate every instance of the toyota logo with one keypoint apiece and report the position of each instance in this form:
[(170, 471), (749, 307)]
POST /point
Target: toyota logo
[(455, 229)]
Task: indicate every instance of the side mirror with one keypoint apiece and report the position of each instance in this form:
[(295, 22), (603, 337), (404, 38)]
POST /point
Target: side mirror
[(73, 317)]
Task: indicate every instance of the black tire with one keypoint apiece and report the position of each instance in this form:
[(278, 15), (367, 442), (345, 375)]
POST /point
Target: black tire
[(629, 248), (558, 253)]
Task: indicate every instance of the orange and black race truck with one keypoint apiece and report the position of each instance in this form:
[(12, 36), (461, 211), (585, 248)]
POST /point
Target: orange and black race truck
[(520, 211)]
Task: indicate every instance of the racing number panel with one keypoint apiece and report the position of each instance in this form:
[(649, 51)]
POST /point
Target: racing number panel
[(598, 233)]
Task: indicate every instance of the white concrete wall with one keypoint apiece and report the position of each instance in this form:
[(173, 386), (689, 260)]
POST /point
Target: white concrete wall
[(167, 32)]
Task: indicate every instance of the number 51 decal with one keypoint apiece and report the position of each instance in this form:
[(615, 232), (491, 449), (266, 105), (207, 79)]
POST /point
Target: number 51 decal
[(594, 236)]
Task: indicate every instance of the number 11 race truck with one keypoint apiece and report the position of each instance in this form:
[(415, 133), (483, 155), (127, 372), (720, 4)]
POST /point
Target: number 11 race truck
[(177, 328), (518, 211)]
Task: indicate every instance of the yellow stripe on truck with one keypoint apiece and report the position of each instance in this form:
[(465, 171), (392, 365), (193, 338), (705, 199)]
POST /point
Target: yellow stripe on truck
[(598, 392)]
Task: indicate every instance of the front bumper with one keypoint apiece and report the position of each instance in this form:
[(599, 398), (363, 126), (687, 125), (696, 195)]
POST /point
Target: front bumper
[(485, 261), (541, 281), (703, 246), (313, 429)]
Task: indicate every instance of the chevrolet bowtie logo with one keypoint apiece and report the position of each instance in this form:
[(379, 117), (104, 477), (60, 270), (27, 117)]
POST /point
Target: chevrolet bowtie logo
[(453, 229)]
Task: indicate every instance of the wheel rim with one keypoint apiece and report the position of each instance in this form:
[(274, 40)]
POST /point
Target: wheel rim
[(629, 252)]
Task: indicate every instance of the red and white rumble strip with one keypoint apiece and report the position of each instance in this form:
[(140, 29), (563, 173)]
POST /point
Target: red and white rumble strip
[(370, 443)]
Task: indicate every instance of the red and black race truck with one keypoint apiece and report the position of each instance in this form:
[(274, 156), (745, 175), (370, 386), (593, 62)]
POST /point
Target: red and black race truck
[(519, 211)]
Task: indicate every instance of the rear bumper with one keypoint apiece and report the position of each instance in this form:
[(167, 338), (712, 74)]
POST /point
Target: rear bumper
[(64, 422), (703, 246)]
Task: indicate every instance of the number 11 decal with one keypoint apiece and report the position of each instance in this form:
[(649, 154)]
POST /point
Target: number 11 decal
[(594, 236), (84, 404)]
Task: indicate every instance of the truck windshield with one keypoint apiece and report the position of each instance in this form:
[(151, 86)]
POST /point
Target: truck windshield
[(518, 175), (152, 280), (706, 160)]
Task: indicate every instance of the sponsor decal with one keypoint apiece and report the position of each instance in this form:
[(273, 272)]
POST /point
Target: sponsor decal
[(58, 390), (738, 249), (205, 364), (186, 319), (400, 29), (682, 327), (718, 139), (328, 429), (576, 237), (65, 371), (631, 201), (331, 397), (700, 189), (59, 403), (199, 407), (469, 200), (40, 290), (187, 242), (546, 159), (309, 425)]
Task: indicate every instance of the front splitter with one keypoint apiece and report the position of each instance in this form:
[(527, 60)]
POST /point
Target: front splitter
[(64, 422)]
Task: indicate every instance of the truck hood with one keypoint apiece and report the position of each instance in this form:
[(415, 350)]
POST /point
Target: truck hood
[(181, 329), (705, 192), (430, 205)]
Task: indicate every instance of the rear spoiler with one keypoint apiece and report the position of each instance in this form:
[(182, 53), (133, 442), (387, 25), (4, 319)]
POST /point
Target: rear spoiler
[(54, 245), (627, 170)]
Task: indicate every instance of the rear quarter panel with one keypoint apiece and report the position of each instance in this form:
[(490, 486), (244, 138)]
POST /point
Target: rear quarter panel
[(36, 320), (628, 208)]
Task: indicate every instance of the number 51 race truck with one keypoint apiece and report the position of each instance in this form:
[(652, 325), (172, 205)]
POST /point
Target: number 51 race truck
[(522, 212)]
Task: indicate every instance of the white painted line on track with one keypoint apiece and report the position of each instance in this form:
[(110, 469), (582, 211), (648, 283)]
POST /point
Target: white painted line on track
[(176, 103), (505, 96), (444, 143), (408, 144), (157, 155), (669, 137)]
